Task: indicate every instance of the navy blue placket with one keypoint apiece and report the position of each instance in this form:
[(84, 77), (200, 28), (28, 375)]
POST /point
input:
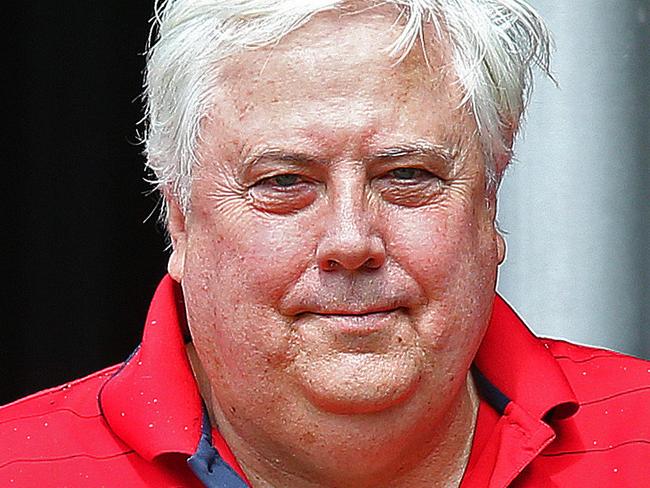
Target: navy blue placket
[(490, 393), (207, 464)]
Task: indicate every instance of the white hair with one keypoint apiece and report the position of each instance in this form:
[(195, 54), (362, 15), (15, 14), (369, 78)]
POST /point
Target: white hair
[(494, 45)]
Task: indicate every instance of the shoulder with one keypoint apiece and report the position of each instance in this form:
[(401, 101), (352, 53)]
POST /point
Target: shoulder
[(59, 437), (55, 428), (51, 399), (607, 441), (69, 406)]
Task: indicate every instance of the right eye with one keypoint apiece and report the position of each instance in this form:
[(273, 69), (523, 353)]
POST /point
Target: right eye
[(283, 193), (282, 181)]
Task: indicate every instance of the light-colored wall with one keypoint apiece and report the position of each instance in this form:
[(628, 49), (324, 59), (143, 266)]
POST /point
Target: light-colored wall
[(576, 202)]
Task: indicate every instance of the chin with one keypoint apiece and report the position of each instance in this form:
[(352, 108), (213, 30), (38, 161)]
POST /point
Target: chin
[(359, 383)]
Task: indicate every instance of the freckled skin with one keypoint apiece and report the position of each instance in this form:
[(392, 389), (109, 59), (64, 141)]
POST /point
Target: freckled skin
[(335, 313)]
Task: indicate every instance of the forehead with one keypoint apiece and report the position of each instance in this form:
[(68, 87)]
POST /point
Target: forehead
[(334, 77)]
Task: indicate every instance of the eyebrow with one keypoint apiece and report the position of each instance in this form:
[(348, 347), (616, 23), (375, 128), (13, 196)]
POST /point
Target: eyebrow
[(448, 154), (273, 154)]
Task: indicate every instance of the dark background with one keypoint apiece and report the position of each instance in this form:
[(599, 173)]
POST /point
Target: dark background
[(80, 261)]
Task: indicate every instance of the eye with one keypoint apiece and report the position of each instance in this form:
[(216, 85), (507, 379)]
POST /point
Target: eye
[(283, 193), (282, 181), (410, 174), (405, 173), (285, 180), (408, 186)]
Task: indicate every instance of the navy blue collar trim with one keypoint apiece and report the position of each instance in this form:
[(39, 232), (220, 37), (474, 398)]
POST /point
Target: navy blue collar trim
[(490, 393), (207, 464)]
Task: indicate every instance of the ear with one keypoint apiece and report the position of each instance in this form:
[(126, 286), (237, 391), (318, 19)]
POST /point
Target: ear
[(501, 247), (178, 234), (500, 241)]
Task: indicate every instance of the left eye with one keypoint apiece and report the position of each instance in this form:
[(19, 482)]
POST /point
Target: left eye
[(409, 173)]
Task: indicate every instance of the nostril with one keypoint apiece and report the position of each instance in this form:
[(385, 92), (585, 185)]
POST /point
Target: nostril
[(351, 251), (372, 263)]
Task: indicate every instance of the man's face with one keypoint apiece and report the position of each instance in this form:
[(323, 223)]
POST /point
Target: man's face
[(339, 257)]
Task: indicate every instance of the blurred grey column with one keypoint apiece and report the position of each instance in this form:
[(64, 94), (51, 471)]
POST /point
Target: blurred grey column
[(575, 205)]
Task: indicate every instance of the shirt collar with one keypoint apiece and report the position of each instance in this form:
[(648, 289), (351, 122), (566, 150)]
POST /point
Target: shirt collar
[(522, 368), (153, 404)]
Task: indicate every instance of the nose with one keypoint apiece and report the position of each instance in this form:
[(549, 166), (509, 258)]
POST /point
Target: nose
[(349, 242)]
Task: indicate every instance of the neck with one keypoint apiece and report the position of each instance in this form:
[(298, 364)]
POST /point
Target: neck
[(432, 456)]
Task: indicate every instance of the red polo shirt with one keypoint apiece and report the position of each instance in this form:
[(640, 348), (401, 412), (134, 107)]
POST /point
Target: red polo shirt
[(551, 414)]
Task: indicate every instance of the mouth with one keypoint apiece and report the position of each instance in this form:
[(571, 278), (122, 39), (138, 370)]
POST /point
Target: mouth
[(351, 311), (356, 322), (354, 313)]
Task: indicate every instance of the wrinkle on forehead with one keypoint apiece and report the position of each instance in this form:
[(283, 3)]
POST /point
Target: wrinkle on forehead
[(323, 49)]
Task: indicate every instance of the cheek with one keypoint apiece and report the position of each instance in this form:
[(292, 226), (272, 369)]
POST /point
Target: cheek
[(256, 257), (437, 246), (451, 254), (236, 273)]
